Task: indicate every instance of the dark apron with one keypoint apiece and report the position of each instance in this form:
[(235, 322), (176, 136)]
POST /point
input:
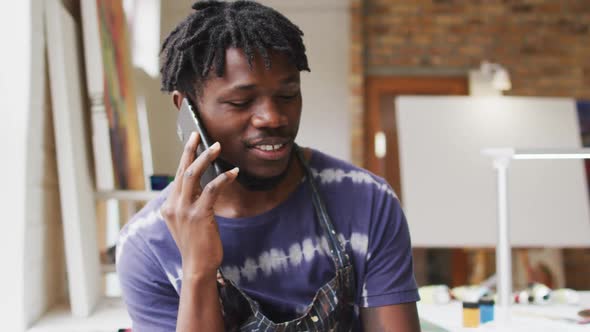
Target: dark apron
[(332, 308)]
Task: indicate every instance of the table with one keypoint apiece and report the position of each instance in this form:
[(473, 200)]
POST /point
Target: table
[(524, 317)]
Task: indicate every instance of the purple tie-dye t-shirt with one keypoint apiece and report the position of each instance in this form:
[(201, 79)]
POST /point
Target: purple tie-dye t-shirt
[(279, 257)]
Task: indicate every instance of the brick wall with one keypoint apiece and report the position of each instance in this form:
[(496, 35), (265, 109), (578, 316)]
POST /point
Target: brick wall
[(544, 44)]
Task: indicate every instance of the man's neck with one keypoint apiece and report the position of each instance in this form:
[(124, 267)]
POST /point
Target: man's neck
[(238, 202)]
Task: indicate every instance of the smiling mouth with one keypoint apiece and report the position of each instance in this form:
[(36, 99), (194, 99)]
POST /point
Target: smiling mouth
[(271, 150), (269, 147)]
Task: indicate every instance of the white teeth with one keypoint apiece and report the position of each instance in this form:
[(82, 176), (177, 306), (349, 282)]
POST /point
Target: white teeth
[(269, 147)]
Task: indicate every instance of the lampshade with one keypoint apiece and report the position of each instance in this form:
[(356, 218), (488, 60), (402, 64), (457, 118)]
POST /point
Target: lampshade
[(497, 74)]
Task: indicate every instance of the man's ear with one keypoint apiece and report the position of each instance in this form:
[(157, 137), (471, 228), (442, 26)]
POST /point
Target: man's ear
[(177, 98)]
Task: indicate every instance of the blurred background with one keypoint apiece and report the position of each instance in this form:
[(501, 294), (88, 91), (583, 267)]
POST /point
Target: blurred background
[(88, 136)]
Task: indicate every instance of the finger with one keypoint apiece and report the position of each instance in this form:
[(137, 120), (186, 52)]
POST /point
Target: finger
[(212, 190), (188, 155), (192, 175)]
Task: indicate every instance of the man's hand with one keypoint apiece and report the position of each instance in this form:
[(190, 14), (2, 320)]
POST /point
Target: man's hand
[(189, 212), (189, 215)]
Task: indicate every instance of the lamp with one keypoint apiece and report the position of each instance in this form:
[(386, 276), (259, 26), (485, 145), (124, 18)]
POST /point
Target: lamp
[(497, 74), (501, 161)]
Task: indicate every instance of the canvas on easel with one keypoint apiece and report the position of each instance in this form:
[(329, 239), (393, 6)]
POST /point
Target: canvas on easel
[(441, 138)]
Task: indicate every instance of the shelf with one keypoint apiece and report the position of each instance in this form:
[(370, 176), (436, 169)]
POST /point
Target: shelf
[(109, 316), (108, 268), (128, 195)]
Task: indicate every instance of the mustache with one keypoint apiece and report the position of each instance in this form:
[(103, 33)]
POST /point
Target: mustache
[(275, 136)]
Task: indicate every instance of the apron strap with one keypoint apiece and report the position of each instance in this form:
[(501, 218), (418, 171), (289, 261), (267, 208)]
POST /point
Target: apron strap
[(336, 247)]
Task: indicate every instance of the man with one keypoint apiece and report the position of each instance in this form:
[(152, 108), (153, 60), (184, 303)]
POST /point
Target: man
[(302, 241)]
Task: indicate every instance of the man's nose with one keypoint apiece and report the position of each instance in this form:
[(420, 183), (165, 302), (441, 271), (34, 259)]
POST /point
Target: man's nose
[(269, 115)]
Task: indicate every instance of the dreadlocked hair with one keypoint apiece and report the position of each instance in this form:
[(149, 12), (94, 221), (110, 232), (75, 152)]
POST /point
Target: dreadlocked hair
[(199, 42)]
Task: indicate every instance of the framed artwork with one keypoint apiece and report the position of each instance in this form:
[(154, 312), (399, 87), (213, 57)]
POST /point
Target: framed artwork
[(109, 72)]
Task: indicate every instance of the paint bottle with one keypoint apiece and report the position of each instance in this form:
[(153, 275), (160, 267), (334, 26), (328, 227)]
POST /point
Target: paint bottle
[(486, 310), (470, 314), (540, 293)]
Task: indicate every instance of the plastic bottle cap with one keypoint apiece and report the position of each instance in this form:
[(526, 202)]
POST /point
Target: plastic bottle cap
[(471, 305)]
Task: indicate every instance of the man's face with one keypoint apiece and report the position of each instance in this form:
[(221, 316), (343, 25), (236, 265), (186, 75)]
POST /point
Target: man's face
[(253, 112)]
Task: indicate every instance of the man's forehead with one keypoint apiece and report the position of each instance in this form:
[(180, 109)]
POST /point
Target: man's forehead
[(236, 59), (289, 82), (238, 68)]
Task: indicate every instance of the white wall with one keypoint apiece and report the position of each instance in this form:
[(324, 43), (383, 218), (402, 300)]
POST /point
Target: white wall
[(15, 91), (325, 122), (31, 253)]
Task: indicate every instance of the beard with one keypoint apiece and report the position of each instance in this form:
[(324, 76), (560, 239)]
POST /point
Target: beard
[(252, 182)]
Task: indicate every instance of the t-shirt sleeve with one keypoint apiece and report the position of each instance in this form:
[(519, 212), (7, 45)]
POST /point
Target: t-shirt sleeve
[(389, 271), (152, 302)]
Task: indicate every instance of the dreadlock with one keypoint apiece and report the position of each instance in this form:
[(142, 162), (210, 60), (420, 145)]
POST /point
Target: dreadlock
[(199, 42)]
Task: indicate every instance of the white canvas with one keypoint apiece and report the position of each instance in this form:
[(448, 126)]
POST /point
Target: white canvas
[(74, 171), (449, 188)]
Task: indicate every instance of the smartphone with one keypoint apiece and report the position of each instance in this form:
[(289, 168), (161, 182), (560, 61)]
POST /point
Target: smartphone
[(187, 122)]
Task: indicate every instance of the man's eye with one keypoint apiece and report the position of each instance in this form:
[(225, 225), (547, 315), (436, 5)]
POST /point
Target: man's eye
[(239, 103), (287, 97)]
